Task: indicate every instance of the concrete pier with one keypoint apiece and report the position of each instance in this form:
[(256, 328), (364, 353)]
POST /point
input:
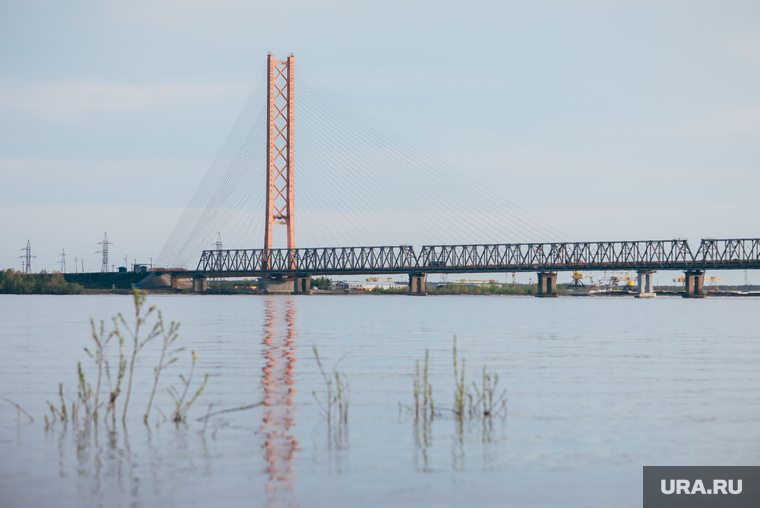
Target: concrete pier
[(277, 285), (646, 287), (301, 285), (200, 284), (417, 284), (694, 284), (547, 284)]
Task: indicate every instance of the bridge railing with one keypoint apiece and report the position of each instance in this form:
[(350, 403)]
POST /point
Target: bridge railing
[(739, 253), (653, 254), (519, 257), (385, 259)]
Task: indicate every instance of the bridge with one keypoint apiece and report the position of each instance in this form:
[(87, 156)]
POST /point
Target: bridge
[(546, 259), (289, 269)]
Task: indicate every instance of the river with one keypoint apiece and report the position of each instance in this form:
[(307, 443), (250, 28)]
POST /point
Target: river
[(596, 388)]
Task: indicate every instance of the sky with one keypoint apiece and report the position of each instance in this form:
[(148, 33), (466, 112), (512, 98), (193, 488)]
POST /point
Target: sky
[(608, 120)]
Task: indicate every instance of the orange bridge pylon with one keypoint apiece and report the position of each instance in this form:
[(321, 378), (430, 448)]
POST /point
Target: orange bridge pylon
[(280, 149)]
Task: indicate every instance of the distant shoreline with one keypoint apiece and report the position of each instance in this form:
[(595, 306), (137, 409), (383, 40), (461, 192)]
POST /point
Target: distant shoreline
[(167, 291)]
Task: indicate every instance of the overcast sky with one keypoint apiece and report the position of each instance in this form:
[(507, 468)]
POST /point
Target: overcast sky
[(608, 120)]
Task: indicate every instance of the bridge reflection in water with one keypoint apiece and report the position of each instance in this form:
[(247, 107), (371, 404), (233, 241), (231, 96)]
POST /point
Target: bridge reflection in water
[(279, 388)]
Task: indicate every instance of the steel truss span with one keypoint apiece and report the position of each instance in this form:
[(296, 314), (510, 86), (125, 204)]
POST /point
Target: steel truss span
[(726, 254)]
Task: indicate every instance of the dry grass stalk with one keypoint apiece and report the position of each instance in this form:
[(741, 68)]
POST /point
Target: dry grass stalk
[(101, 341), (140, 318), (169, 337), (460, 392), (122, 369), (215, 413), (491, 402), (180, 412), (85, 394), (480, 402), (341, 398), (19, 409), (63, 404), (424, 388)]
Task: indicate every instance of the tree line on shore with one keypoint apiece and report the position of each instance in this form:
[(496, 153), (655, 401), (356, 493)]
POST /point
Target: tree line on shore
[(43, 283)]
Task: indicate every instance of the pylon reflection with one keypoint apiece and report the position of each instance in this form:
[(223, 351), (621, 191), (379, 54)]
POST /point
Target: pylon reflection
[(278, 384)]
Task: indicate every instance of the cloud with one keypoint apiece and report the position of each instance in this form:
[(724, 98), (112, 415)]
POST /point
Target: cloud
[(63, 101)]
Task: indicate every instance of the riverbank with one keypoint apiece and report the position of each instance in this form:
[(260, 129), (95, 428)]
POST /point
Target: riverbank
[(121, 283), (19, 283)]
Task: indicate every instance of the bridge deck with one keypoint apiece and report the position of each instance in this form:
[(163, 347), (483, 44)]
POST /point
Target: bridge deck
[(724, 254)]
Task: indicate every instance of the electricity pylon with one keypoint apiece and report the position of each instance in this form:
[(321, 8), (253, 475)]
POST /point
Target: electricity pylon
[(62, 262), (27, 257), (104, 250)]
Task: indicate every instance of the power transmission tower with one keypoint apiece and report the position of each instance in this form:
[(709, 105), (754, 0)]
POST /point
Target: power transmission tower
[(62, 262), (76, 266), (104, 250), (27, 258)]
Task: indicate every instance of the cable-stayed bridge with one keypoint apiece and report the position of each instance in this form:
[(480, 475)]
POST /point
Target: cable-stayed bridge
[(362, 183)]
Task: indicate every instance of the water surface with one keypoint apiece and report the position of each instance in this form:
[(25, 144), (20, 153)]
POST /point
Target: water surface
[(597, 388)]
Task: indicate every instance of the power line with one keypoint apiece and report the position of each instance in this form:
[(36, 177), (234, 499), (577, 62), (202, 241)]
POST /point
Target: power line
[(361, 183)]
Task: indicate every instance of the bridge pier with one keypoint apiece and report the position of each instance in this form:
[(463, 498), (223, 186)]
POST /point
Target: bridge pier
[(417, 284), (547, 284), (694, 284), (200, 283), (301, 285), (174, 282), (646, 287)]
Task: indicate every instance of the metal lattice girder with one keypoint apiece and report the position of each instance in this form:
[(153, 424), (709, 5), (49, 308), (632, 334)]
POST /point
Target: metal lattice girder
[(557, 256), (525, 257), (323, 260), (740, 253)]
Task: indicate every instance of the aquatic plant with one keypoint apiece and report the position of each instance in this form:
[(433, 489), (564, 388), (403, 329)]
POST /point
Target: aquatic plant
[(169, 337), (182, 408), (85, 392), (472, 402), (341, 399), (209, 414), (491, 404), (460, 392), (90, 400), (57, 414), (101, 341), (485, 397), (19, 409), (121, 371), (140, 318), (424, 388)]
